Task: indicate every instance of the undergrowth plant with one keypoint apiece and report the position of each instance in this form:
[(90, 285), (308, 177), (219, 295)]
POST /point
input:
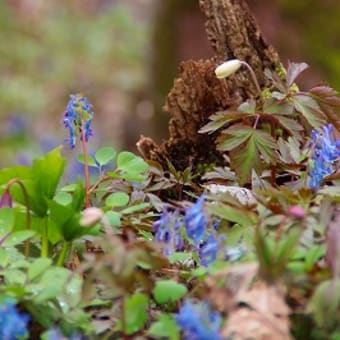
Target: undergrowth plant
[(122, 255)]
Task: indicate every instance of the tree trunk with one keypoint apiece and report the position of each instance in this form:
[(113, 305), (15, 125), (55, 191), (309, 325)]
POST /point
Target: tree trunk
[(197, 93)]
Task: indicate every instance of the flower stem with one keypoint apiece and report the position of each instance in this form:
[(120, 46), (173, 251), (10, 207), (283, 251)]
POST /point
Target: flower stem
[(253, 75), (27, 203), (86, 169), (44, 240), (63, 253)]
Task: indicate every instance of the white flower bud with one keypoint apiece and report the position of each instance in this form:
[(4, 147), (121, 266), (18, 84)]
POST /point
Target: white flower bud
[(228, 68), (91, 216)]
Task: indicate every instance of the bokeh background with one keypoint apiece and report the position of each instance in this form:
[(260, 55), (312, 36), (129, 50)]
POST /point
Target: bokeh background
[(123, 55)]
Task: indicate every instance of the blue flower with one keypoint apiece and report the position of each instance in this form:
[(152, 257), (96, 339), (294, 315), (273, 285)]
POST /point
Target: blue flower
[(12, 324), (196, 221), (325, 151), (78, 118), (208, 250), (198, 322), (167, 232)]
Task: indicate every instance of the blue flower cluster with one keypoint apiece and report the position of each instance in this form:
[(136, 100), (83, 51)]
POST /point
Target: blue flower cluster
[(196, 223), (12, 324), (167, 232), (325, 151), (198, 321), (78, 118), (207, 245)]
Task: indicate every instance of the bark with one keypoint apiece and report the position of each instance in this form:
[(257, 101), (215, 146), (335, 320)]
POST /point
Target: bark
[(197, 93)]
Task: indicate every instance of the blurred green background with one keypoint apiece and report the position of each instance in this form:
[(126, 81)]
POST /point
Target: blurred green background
[(123, 55)]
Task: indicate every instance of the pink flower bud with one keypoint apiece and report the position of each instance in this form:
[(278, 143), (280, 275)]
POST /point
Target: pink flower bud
[(296, 211), (91, 216)]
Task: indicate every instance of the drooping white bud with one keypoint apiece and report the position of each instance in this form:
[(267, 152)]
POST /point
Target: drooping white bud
[(228, 68)]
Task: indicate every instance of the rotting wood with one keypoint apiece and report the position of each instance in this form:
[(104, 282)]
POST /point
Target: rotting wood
[(197, 93)]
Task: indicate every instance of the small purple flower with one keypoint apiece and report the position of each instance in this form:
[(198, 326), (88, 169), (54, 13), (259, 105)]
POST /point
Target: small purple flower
[(78, 116), (197, 321), (167, 232), (208, 250), (325, 151), (196, 221), (12, 324)]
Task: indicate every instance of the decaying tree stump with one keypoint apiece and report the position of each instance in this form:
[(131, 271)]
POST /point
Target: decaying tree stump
[(197, 93)]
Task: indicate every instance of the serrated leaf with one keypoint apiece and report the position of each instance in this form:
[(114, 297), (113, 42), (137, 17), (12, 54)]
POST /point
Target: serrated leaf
[(248, 107), (246, 159), (291, 125), (293, 71), (309, 109), (105, 155), (233, 137), (117, 199), (247, 156), (166, 291)]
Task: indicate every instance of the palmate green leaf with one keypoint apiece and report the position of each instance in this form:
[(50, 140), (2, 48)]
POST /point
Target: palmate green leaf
[(233, 137), (251, 144), (90, 160), (220, 119), (309, 109)]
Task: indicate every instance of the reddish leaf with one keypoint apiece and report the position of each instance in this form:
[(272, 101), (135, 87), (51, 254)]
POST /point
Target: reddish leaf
[(293, 71)]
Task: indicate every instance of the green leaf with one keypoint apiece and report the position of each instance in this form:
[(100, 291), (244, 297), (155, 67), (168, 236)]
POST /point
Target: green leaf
[(18, 237), (90, 160), (164, 327), (130, 163), (117, 199), (135, 311), (309, 109), (246, 159), (243, 217), (179, 257), (166, 291), (237, 137), (113, 218), (6, 221), (52, 283), (248, 107), (47, 172), (37, 267), (105, 155), (247, 156), (220, 119), (63, 197), (135, 208)]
